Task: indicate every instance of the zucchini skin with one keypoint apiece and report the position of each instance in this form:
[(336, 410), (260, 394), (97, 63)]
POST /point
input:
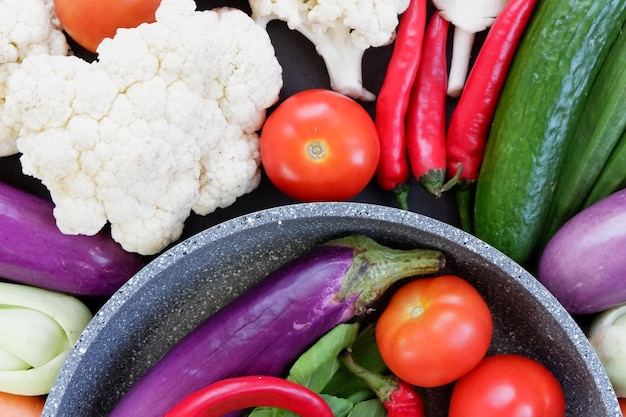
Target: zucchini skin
[(594, 138), (264, 330), (33, 251), (557, 60), (613, 175), (583, 264)]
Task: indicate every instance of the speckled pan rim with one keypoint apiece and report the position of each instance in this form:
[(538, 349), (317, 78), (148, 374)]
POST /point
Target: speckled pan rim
[(330, 209)]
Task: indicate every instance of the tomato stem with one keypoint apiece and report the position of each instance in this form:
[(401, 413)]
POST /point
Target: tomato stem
[(317, 150)]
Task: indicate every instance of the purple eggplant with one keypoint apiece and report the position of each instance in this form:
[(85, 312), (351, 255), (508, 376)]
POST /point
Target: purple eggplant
[(265, 329), (33, 251), (584, 264)]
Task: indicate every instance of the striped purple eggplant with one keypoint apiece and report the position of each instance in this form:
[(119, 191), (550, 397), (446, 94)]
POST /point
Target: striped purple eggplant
[(265, 329), (584, 264)]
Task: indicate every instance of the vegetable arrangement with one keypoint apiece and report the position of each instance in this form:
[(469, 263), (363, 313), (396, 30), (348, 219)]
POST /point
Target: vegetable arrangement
[(137, 140), (412, 120), (329, 369), (117, 141), (470, 122), (535, 118), (298, 302)]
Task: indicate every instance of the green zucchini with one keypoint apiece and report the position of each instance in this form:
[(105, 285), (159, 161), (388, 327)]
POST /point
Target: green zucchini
[(594, 137), (552, 72), (613, 175)]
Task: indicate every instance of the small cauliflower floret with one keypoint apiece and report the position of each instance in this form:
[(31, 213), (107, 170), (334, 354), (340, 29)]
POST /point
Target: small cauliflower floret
[(27, 27), (340, 30), (163, 123)]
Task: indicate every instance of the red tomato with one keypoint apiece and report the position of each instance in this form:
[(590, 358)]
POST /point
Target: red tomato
[(319, 145), (508, 386), (434, 330), (622, 405), (90, 21)]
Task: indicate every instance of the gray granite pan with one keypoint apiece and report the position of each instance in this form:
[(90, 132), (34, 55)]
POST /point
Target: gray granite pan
[(189, 282)]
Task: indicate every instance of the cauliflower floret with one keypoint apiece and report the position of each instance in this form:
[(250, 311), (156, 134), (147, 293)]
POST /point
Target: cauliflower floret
[(27, 27), (163, 123), (340, 30)]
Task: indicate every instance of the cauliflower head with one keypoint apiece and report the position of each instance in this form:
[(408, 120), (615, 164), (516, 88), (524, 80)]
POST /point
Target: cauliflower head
[(340, 30), (164, 123), (27, 27)]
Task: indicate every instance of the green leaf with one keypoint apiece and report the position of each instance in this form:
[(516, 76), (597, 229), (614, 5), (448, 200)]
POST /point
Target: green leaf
[(340, 406), (315, 367), (369, 408), (364, 351)]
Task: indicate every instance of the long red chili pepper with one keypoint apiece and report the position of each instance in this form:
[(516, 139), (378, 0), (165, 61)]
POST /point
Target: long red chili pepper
[(426, 113), (393, 168), (396, 395), (236, 393), (471, 119)]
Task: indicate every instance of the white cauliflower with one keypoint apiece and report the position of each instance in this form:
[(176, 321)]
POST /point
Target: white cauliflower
[(27, 27), (164, 122), (340, 30)]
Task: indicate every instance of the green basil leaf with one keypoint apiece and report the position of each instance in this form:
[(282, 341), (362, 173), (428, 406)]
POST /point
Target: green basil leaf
[(315, 367), (365, 352), (369, 408)]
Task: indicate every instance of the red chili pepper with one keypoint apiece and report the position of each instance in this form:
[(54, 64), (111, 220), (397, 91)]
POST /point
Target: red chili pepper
[(393, 98), (396, 395), (236, 393), (471, 119), (426, 114)]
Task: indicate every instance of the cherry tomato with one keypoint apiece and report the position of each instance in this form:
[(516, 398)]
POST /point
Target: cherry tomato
[(89, 21), (319, 145), (508, 385), (622, 405), (434, 330)]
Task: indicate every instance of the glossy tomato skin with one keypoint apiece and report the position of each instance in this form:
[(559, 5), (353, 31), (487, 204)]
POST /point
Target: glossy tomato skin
[(434, 330), (319, 145), (89, 21), (508, 385)]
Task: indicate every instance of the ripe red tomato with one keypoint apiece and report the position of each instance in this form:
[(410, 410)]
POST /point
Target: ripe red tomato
[(89, 21), (434, 330), (508, 386), (622, 405), (319, 145)]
